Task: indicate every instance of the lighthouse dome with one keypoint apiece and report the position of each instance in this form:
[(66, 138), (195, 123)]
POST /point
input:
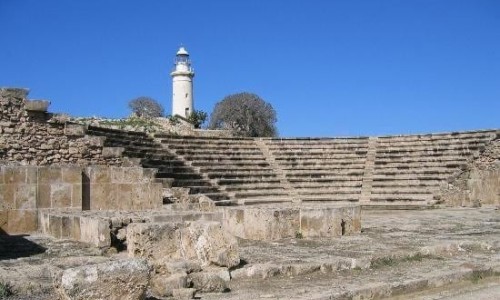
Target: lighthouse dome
[(182, 51)]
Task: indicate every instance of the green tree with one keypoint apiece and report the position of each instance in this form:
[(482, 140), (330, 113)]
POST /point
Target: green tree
[(197, 118), (245, 113)]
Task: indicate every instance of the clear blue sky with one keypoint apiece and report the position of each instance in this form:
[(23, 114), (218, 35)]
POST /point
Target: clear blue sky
[(329, 68)]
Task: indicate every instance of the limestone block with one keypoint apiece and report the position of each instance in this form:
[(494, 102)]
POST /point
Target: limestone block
[(102, 196), (205, 242), (95, 141), (22, 221), (60, 195), (132, 175), (330, 221), (19, 93), (208, 282), (44, 196), (154, 240), (75, 231), (7, 198), (55, 226), (210, 243), (163, 285), (262, 223), (123, 196), (37, 105), (72, 175), (74, 130), (95, 231), (49, 175), (183, 294), (76, 196), (66, 226), (112, 152), (98, 174), (120, 279), (25, 196)]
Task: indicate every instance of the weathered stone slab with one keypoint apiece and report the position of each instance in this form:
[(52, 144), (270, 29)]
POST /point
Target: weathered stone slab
[(205, 242), (121, 279), (273, 223)]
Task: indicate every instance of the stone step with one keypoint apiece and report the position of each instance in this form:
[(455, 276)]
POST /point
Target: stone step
[(166, 182), (217, 147), (178, 175), (321, 156), (190, 182), (325, 168), (318, 152), (202, 189), (487, 134), (407, 183), (316, 141), (237, 181), (232, 168), (331, 197), (312, 177), (428, 151), (431, 145), (109, 131), (264, 200), (402, 190), (404, 197), (218, 158), (255, 175), (406, 166), (156, 163), (175, 169), (254, 186), (217, 196), (414, 171), (377, 177), (220, 152), (260, 193), (356, 163), (327, 185), (201, 138), (423, 160), (200, 142), (312, 192), (233, 163), (120, 142), (150, 156), (240, 172), (325, 179), (434, 155), (321, 173)]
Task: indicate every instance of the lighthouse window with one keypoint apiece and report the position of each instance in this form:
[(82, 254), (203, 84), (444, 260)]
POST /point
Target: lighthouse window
[(186, 95)]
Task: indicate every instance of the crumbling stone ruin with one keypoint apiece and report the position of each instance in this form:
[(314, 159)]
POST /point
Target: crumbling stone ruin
[(116, 214)]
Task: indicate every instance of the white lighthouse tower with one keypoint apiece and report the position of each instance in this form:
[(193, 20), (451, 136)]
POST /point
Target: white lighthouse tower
[(182, 84)]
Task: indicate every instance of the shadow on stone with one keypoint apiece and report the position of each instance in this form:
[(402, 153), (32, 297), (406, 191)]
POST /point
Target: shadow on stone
[(16, 246)]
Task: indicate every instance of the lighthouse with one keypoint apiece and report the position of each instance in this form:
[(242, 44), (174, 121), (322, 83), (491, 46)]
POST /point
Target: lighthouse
[(182, 84)]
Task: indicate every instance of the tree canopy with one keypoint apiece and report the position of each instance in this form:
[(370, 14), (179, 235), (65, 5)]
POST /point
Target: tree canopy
[(245, 113), (146, 107)]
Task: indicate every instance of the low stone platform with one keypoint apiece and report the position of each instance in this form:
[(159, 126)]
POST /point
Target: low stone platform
[(101, 228), (274, 222), (445, 253)]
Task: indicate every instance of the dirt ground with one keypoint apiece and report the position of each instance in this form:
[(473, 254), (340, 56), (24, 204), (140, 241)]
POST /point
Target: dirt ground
[(449, 253)]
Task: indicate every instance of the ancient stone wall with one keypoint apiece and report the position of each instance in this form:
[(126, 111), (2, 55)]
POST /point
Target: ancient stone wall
[(24, 190), (478, 183), (31, 136)]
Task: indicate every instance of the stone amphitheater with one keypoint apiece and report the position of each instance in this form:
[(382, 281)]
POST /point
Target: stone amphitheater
[(88, 212)]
